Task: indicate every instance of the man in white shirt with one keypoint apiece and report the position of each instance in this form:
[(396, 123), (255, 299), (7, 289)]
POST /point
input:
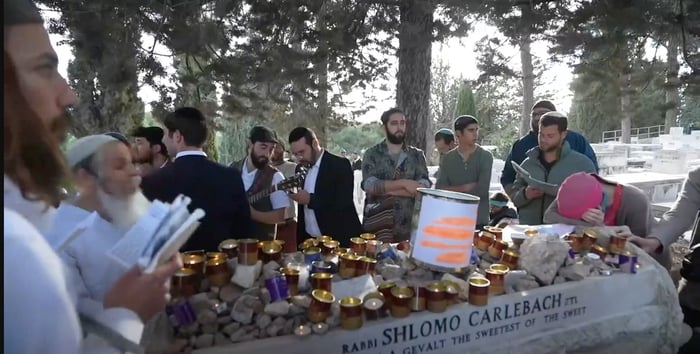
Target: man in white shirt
[(286, 231), (110, 187), (44, 319), (326, 204), (267, 204)]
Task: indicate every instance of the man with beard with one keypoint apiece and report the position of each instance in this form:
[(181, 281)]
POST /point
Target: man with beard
[(287, 230), (467, 169), (110, 186), (326, 204), (44, 318), (214, 188), (258, 177), (393, 169), (149, 150), (517, 153), (551, 162)]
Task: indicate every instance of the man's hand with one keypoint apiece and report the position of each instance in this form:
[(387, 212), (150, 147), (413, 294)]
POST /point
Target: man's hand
[(301, 196), (594, 216), (533, 193), (466, 188), (145, 294), (648, 244), (411, 186)]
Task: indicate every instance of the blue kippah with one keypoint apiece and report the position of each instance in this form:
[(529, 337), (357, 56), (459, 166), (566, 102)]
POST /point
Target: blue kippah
[(445, 131)]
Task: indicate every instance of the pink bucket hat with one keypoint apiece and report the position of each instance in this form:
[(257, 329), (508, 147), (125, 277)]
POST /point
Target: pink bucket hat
[(578, 193)]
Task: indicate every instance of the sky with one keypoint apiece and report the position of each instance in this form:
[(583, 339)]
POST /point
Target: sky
[(458, 53)]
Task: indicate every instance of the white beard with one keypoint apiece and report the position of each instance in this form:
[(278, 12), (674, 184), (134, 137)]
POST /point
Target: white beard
[(123, 213)]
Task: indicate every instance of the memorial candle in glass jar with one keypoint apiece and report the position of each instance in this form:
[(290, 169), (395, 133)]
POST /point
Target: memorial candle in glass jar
[(350, 313), (479, 291), (401, 301)]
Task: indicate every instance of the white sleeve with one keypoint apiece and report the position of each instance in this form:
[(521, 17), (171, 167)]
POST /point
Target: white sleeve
[(39, 314), (279, 199)]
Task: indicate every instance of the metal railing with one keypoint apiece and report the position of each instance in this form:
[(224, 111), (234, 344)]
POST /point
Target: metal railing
[(640, 133)]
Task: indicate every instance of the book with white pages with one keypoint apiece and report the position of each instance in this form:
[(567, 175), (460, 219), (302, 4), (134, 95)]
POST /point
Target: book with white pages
[(174, 231), (549, 188), (128, 249), (157, 236), (77, 231)]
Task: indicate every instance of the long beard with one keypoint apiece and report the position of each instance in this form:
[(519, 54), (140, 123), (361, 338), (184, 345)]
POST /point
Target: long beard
[(123, 212), (59, 127)]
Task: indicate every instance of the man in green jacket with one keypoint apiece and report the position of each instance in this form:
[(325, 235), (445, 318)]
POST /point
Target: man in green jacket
[(552, 161)]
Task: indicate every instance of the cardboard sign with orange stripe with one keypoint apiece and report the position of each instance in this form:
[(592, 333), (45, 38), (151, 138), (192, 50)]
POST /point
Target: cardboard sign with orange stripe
[(445, 231)]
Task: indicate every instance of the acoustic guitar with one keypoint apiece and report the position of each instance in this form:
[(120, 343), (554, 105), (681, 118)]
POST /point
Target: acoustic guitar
[(287, 184)]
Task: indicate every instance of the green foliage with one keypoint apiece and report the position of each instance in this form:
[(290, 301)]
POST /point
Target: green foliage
[(466, 103), (595, 106), (444, 89), (356, 138)]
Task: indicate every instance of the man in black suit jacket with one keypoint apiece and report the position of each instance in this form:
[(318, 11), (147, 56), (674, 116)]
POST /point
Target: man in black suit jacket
[(216, 189), (326, 203)]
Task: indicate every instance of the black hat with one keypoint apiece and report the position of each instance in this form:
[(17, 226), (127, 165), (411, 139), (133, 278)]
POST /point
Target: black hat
[(120, 137), (154, 135), (544, 104), (20, 12), (260, 134)]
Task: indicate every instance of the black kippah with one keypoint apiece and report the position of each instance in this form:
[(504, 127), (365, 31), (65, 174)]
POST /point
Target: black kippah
[(20, 12)]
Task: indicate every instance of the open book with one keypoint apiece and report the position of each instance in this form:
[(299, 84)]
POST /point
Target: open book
[(158, 235), (548, 188)]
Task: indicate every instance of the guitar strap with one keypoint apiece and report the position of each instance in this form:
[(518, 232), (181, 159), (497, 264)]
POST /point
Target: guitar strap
[(263, 180)]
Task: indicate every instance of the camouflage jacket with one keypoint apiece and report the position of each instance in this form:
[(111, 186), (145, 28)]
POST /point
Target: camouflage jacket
[(379, 166)]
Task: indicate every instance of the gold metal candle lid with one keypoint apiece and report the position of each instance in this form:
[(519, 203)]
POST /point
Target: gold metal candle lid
[(511, 253), (435, 287), (323, 296), (312, 250), (322, 275), (386, 284), (368, 236), (349, 257), (495, 271), (324, 239), (350, 302), (402, 292), (184, 272), (228, 244), (368, 260), (590, 233), (598, 248), (289, 271), (331, 244), (269, 247), (358, 240), (192, 258), (501, 267), (479, 281)]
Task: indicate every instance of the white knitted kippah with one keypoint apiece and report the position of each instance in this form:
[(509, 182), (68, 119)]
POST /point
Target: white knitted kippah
[(85, 147)]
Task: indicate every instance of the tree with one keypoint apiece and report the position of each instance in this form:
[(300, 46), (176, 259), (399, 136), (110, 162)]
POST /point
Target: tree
[(105, 40), (466, 104), (608, 37), (443, 95)]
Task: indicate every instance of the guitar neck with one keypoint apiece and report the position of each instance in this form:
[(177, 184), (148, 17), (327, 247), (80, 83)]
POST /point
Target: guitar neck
[(262, 194)]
